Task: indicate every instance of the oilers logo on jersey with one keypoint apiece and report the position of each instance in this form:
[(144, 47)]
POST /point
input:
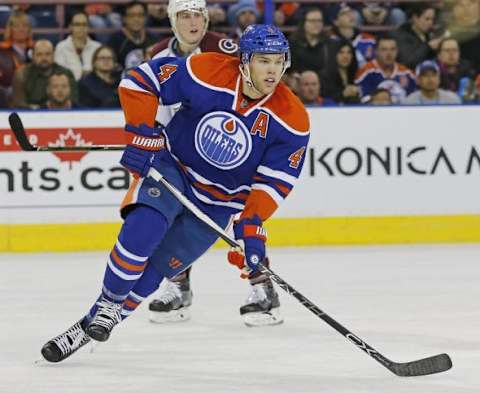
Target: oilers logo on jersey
[(223, 140)]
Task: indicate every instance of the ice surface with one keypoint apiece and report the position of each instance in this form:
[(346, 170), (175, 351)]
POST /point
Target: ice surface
[(407, 302)]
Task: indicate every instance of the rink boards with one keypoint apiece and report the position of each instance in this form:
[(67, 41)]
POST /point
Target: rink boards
[(371, 176)]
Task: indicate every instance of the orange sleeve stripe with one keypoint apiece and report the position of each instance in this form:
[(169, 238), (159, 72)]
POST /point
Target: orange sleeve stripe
[(259, 203), (140, 78), (283, 188), (126, 265), (217, 194), (138, 107), (128, 199)]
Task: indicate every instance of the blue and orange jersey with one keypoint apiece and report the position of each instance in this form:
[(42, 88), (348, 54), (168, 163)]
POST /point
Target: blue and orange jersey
[(236, 154), (371, 75), (363, 43)]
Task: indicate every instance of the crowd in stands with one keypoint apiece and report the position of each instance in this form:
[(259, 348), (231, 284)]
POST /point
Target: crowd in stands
[(372, 53)]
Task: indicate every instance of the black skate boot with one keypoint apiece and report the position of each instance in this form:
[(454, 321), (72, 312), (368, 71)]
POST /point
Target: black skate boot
[(262, 307), (107, 316), (174, 301), (65, 344)]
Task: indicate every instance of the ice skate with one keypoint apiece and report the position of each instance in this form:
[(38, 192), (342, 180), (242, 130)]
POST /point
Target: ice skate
[(173, 304), (107, 316), (65, 344), (262, 307)]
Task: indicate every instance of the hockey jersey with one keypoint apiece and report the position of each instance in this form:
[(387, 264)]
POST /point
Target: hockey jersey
[(211, 42), (236, 154), (400, 83)]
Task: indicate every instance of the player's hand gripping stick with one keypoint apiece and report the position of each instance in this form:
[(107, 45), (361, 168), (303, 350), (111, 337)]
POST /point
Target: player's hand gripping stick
[(250, 232), (145, 146)]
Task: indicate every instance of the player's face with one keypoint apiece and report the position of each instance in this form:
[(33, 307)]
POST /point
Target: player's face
[(190, 26), (266, 71)]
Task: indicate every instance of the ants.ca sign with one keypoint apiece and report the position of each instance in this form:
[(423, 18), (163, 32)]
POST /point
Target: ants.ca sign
[(360, 162)]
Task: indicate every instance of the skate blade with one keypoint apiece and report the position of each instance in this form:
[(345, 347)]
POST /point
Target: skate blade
[(180, 315), (260, 319)]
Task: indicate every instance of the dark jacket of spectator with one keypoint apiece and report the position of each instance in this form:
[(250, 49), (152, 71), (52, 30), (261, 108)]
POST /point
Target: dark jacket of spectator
[(451, 80), (34, 82), (335, 81), (306, 56), (95, 92), (130, 53), (412, 50)]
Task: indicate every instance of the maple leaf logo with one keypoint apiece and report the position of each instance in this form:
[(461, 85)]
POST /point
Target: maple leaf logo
[(70, 138)]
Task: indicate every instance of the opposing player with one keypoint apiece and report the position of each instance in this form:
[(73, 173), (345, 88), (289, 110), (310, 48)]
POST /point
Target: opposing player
[(189, 21), (236, 145)]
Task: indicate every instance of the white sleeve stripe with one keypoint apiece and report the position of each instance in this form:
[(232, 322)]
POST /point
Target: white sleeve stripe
[(204, 199), (270, 191), (277, 174), (128, 254), (145, 67), (131, 85)]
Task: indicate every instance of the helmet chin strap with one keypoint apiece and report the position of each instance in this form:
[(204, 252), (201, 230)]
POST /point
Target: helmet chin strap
[(245, 71)]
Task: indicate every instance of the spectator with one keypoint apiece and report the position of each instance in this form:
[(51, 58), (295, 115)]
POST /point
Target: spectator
[(98, 89), (428, 79), (452, 67), (385, 72), (76, 51), (103, 16), (309, 89), (311, 47), (476, 92), (157, 15), (18, 38), (381, 14), (242, 15), (290, 78), (379, 97), (415, 40), (344, 28), (59, 93), (130, 44), (30, 81), (338, 81), (464, 25), (217, 17)]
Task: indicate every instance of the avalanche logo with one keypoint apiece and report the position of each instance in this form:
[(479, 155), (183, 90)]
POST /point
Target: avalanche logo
[(223, 140)]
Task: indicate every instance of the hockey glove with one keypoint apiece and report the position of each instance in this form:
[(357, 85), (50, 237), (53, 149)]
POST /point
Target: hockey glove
[(145, 146), (250, 232)]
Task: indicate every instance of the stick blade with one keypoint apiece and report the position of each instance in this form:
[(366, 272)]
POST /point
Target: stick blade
[(431, 365), (17, 127)]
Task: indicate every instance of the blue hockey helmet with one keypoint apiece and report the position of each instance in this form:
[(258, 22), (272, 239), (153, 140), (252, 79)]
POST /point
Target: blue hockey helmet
[(263, 39)]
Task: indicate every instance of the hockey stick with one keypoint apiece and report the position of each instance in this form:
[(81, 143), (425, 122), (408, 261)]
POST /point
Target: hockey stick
[(431, 365), (17, 127)]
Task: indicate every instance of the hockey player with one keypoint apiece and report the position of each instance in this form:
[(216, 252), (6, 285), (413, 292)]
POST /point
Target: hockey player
[(236, 145), (189, 21)]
